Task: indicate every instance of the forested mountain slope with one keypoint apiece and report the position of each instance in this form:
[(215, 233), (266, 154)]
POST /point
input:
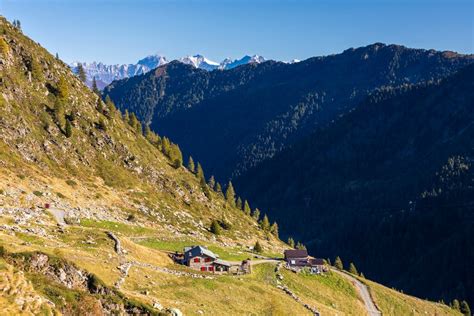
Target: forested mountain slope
[(249, 113), (388, 186)]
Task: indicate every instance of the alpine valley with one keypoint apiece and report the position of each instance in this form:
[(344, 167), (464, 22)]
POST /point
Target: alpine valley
[(364, 155)]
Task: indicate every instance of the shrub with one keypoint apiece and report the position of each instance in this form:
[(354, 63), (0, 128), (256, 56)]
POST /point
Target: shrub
[(71, 182), (38, 193)]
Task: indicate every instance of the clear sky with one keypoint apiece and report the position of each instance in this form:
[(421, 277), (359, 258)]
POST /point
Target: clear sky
[(123, 31)]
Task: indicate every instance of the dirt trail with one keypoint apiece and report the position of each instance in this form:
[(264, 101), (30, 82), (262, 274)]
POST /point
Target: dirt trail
[(363, 292)]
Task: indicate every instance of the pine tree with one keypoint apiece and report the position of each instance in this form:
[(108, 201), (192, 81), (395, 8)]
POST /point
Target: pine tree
[(215, 228), (291, 242), (258, 247), (455, 305), (338, 263), (265, 223), (95, 89), (238, 203), (81, 73), (465, 309), (175, 155), (246, 208), (230, 194), (353, 269), (68, 129), (274, 229), (211, 182), (256, 214), (191, 166), (57, 56)]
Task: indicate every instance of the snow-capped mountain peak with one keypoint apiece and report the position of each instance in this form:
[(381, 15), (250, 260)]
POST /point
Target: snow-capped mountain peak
[(199, 61), (105, 74)]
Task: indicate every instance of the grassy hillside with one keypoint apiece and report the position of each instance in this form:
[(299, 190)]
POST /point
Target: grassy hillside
[(59, 146)]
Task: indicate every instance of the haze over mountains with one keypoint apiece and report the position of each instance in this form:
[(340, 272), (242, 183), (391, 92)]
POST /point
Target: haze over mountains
[(105, 74)]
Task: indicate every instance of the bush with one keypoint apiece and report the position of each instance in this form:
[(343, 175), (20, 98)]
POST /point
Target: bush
[(38, 193), (71, 183), (131, 217)]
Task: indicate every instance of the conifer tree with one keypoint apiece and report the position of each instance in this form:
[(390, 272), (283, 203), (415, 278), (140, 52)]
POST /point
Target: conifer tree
[(465, 309), (353, 269), (147, 132), (256, 214), (175, 155), (265, 223), (110, 105), (338, 263), (230, 194), (199, 172), (211, 182), (291, 242), (81, 73), (300, 246), (247, 208), (362, 275), (68, 129), (59, 113), (126, 116), (455, 305), (215, 228), (218, 188), (62, 88), (133, 122), (238, 203), (191, 166), (205, 188), (95, 89), (57, 56), (258, 247), (100, 106), (274, 229)]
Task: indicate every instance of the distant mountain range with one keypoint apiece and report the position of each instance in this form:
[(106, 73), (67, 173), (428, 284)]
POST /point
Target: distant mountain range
[(105, 74), (254, 111)]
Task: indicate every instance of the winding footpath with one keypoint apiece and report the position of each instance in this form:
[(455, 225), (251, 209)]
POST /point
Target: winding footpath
[(369, 303)]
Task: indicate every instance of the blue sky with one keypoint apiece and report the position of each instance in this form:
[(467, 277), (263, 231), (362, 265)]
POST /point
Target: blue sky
[(123, 31)]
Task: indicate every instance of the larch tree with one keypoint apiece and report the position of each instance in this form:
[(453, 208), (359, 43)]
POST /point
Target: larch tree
[(256, 214), (247, 208), (455, 305), (211, 182), (199, 172), (274, 229), (338, 263), (230, 194), (191, 166), (68, 129), (265, 223), (465, 309), (353, 269), (238, 203), (291, 242)]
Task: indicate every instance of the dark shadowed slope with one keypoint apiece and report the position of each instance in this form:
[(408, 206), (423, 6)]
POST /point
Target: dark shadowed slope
[(389, 186), (249, 113)]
